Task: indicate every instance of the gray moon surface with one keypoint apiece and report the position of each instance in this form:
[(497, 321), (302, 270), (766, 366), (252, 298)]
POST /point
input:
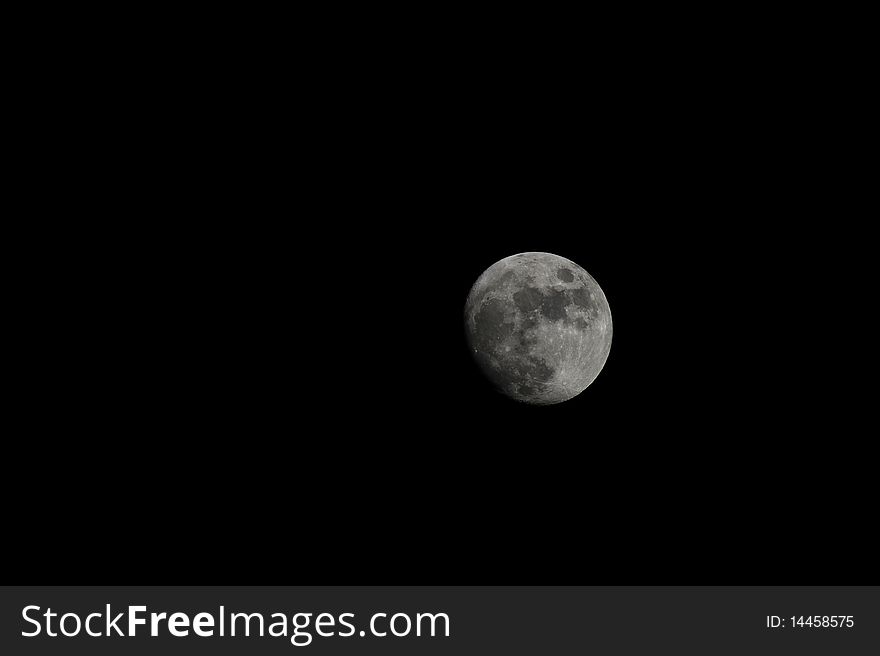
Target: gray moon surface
[(539, 327)]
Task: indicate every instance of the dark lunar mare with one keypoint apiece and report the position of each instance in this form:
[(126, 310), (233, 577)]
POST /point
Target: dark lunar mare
[(491, 326), (565, 275), (506, 370)]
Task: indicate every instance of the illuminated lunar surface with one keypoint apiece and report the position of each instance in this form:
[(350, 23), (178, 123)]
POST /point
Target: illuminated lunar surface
[(539, 327)]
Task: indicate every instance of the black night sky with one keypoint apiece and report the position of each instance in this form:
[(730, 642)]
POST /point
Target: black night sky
[(256, 371)]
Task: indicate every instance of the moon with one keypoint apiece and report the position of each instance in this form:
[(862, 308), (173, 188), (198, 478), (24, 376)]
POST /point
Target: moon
[(539, 327)]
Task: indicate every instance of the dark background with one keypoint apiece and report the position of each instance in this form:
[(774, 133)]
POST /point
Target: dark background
[(241, 325)]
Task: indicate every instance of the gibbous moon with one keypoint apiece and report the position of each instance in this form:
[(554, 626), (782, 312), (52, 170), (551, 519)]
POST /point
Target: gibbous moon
[(539, 327)]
